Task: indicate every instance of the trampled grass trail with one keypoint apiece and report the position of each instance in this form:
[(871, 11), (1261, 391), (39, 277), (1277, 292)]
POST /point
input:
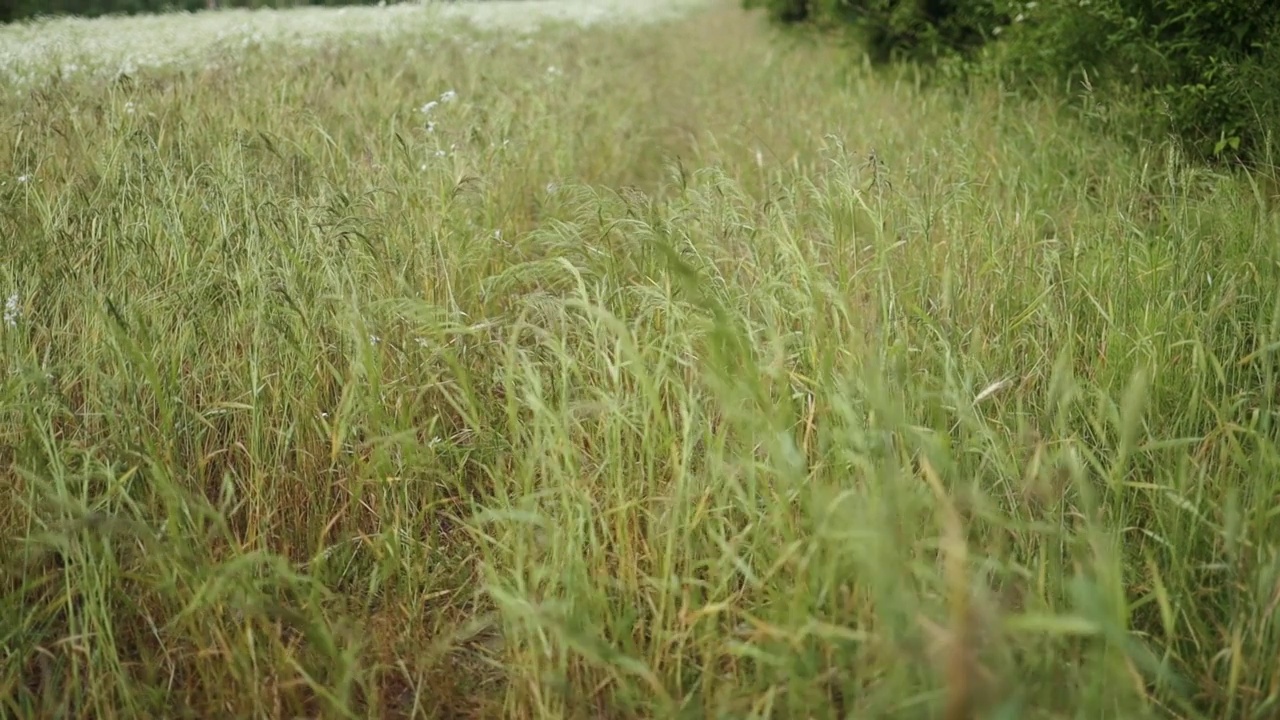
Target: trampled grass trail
[(681, 369)]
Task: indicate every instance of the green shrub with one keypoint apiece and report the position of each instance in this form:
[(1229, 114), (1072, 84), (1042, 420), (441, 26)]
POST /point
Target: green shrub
[(1206, 69), (788, 11), (816, 12), (1201, 70), (924, 29), (900, 28)]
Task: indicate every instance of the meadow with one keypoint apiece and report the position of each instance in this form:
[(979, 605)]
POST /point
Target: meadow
[(435, 362)]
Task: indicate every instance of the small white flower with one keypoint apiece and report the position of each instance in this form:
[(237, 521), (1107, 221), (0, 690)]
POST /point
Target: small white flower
[(374, 339), (423, 167), (422, 342), (431, 126), (428, 107), (24, 179), (11, 311), (441, 153), (497, 235), (1020, 18), (130, 108), (448, 96)]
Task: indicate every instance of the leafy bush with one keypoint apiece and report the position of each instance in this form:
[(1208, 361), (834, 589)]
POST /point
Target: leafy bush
[(899, 28), (1203, 70), (924, 29), (783, 10)]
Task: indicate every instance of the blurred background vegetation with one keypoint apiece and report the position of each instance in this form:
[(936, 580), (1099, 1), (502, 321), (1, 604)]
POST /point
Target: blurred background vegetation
[(1203, 70), (11, 10)]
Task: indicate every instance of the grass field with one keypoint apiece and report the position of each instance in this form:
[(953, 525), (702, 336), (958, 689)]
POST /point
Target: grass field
[(676, 370)]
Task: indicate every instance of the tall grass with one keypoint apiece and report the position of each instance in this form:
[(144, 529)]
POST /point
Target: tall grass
[(675, 372)]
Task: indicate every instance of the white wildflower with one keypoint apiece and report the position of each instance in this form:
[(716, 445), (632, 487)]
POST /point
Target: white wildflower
[(11, 311), (428, 107), (130, 108), (431, 126), (24, 179), (374, 339), (448, 96)]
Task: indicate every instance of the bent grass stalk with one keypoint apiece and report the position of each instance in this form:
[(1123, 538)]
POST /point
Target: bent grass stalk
[(639, 401)]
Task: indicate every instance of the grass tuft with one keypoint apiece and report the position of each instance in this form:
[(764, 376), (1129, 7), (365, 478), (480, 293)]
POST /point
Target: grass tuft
[(660, 371)]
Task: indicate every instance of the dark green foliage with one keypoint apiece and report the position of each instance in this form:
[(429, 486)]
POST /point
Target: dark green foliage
[(11, 10), (1203, 70), (1207, 69), (924, 29), (788, 11), (899, 28), (813, 12)]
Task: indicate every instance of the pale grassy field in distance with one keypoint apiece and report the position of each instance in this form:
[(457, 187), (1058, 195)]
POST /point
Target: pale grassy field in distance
[(39, 51), (392, 364)]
